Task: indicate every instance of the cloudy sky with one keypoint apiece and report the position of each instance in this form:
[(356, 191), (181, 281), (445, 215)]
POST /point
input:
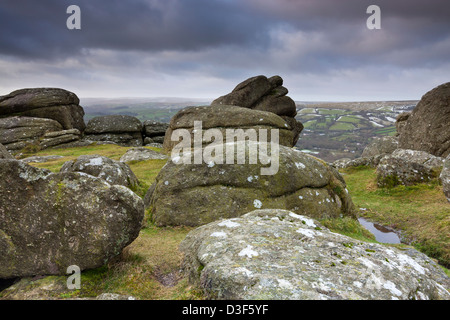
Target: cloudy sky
[(203, 48)]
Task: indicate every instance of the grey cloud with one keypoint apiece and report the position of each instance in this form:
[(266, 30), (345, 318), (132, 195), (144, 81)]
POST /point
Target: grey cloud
[(125, 25)]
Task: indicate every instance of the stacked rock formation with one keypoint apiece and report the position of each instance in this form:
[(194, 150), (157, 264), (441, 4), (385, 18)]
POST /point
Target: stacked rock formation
[(154, 132), (120, 129), (265, 94), (258, 102), (26, 115), (261, 93), (49, 103)]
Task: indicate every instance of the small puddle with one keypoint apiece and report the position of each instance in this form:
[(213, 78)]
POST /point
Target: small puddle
[(381, 233)]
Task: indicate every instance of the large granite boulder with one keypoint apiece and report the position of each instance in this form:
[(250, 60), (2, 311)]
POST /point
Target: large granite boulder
[(408, 167), (264, 94), (112, 171), (18, 132), (49, 103), (120, 129), (445, 178), (280, 255), (223, 118), (427, 128), (50, 221), (195, 194)]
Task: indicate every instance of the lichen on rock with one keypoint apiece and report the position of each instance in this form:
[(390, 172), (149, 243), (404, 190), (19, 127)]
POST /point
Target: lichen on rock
[(277, 254)]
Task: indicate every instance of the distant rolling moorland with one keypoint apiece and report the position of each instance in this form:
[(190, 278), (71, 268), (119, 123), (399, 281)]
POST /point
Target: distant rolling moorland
[(333, 130)]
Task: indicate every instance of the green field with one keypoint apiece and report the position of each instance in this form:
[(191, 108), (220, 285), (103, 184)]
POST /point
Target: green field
[(342, 126)]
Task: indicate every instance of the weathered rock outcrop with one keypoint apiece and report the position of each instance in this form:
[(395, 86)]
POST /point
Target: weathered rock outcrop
[(371, 155), (280, 255), (50, 221), (122, 130), (141, 154), (49, 288), (380, 146), (40, 159), (223, 117), (195, 194), (265, 94), (401, 121), (427, 128), (60, 138), (445, 178), (49, 103), (358, 162), (112, 171), (154, 132), (4, 154), (408, 167), (18, 132), (261, 93)]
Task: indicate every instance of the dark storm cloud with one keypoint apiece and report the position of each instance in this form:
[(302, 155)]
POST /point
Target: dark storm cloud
[(38, 28)]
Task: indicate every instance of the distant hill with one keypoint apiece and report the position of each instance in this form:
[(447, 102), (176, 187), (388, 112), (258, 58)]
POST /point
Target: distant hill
[(333, 130), (157, 109)]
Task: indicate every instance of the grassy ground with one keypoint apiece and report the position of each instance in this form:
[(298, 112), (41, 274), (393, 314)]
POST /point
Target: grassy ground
[(421, 212), (150, 267)]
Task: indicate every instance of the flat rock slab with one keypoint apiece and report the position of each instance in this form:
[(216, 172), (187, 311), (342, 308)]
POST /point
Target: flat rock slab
[(277, 254), (40, 159), (141, 154)]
